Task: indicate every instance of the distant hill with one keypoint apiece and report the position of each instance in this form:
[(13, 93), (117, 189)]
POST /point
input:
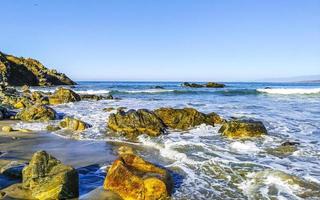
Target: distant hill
[(18, 71), (311, 78)]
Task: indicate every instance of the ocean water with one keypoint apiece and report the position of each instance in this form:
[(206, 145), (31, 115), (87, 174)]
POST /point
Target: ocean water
[(204, 164)]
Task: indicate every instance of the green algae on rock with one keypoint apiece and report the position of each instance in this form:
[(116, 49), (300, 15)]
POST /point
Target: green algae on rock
[(131, 177), (185, 118), (136, 122), (18, 71), (243, 129), (37, 113), (63, 95), (47, 178), (73, 124)]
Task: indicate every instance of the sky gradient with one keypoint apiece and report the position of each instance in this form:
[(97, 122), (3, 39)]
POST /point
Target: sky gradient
[(167, 40)]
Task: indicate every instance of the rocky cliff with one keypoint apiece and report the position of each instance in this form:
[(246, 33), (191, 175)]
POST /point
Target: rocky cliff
[(20, 71)]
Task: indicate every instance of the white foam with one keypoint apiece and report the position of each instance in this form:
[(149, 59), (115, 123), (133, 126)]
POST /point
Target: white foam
[(290, 90), (149, 91), (92, 91), (244, 147)]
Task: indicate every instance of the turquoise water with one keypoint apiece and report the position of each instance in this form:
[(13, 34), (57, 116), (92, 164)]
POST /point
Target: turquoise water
[(206, 165)]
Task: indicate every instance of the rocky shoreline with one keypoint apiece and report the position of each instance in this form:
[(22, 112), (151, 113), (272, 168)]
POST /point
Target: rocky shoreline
[(128, 176)]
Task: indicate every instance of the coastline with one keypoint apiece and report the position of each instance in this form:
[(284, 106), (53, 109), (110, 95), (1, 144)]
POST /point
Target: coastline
[(90, 158)]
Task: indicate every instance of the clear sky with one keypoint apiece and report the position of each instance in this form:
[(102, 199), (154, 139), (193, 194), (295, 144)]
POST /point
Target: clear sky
[(218, 40)]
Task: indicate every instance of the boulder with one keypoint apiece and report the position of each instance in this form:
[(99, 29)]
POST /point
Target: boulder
[(243, 129), (47, 178), (37, 113), (136, 122), (131, 177), (18, 71), (73, 124), (63, 95), (183, 119)]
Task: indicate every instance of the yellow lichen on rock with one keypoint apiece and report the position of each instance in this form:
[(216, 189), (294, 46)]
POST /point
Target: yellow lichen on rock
[(73, 124)]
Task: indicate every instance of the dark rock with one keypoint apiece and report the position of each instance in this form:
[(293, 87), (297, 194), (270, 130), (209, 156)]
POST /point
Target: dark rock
[(208, 85)]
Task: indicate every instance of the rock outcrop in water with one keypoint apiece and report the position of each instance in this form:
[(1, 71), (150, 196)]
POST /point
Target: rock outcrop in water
[(243, 129), (131, 177), (183, 119), (207, 85), (16, 71), (73, 124), (47, 178), (37, 112), (63, 95), (136, 122), (154, 123)]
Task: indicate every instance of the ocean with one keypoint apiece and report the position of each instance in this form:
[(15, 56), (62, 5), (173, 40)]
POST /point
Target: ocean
[(204, 164)]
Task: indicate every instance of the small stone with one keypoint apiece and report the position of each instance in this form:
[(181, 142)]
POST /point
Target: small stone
[(7, 129)]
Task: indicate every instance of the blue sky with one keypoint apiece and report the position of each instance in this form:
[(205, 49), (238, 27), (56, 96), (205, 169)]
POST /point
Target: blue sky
[(222, 40)]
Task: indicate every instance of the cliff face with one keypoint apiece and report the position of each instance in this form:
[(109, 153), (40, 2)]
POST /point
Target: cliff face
[(16, 71)]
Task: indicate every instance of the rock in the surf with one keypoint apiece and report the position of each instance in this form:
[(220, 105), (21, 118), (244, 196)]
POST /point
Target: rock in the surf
[(136, 122), (131, 177), (207, 85), (243, 129), (214, 85), (63, 95), (285, 149), (183, 119), (47, 178), (18, 71), (73, 124), (37, 112), (192, 85)]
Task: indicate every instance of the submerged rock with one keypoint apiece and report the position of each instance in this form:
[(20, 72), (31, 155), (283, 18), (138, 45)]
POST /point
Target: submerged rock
[(185, 118), (73, 124), (26, 71), (63, 95), (47, 178), (37, 113), (136, 122), (243, 129), (285, 149), (131, 177), (279, 185)]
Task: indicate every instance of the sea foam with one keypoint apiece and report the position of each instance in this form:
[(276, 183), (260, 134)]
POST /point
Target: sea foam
[(290, 90)]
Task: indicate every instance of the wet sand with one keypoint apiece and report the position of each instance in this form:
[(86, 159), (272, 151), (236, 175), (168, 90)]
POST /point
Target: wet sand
[(86, 156)]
